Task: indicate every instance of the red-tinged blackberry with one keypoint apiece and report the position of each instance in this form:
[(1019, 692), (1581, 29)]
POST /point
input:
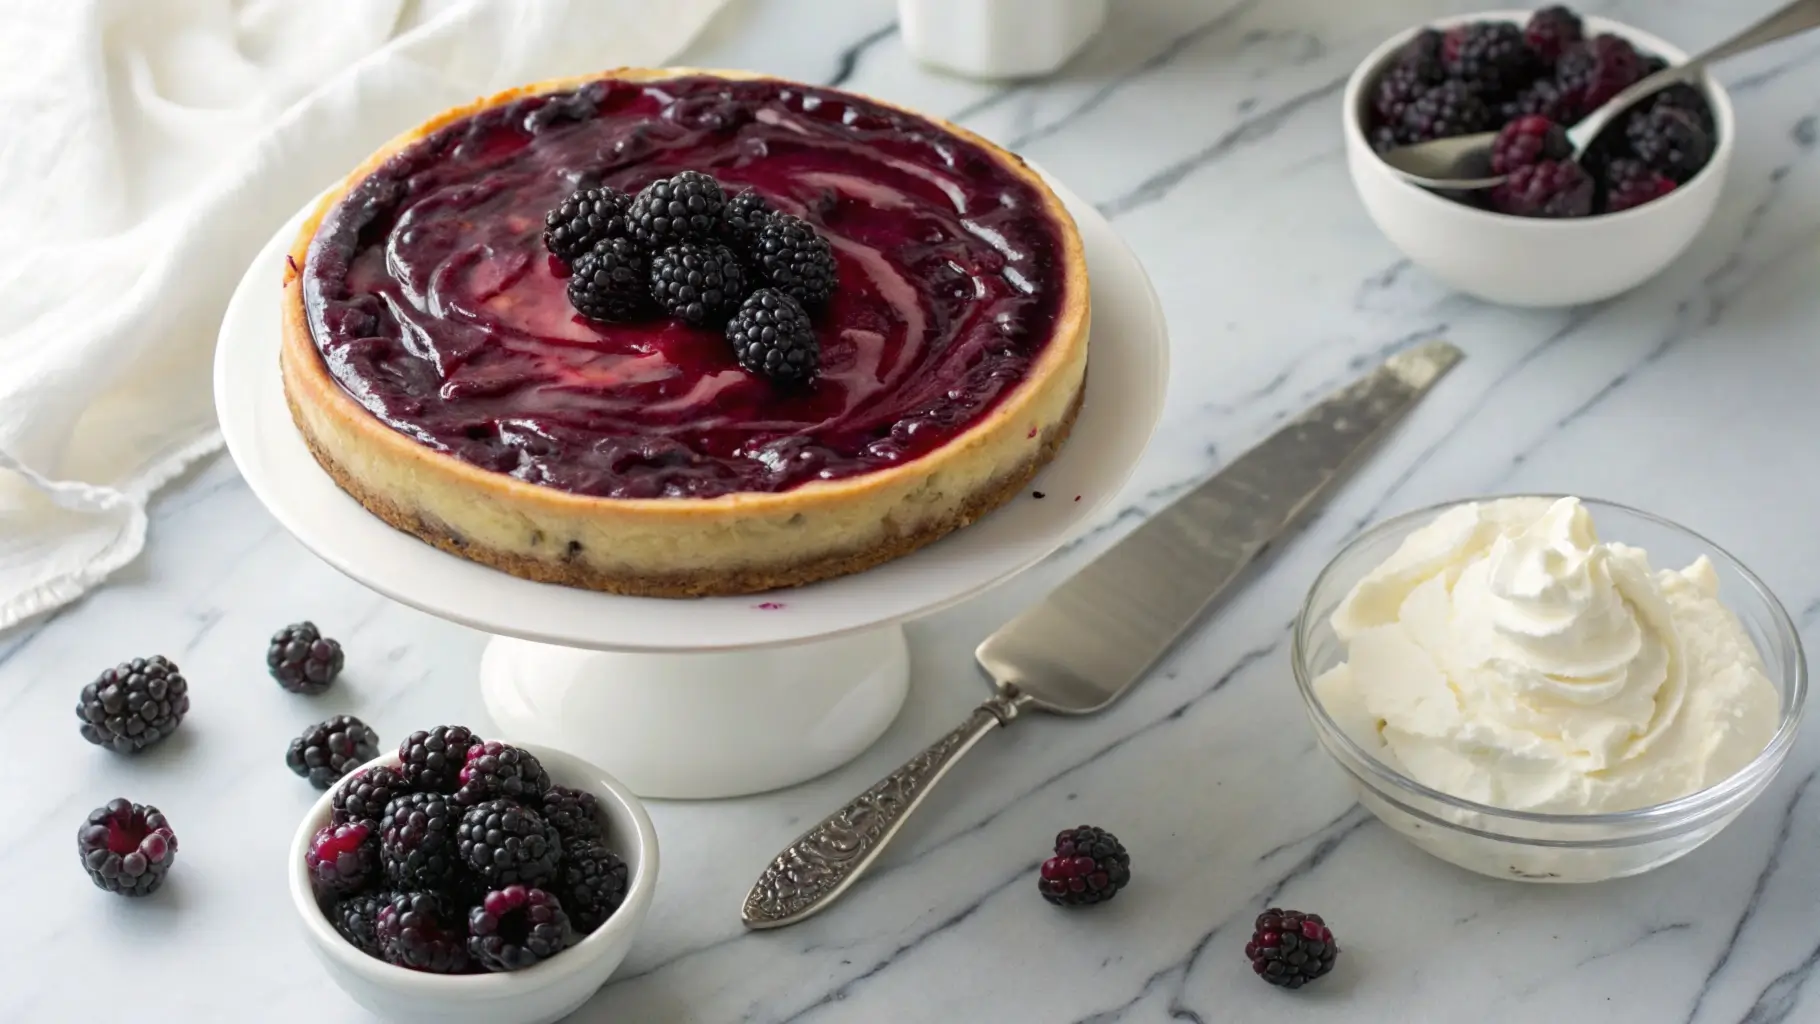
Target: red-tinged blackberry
[(1552, 188), (1542, 97), (495, 769), (698, 283), (1551, 31), (332, 748), (676, 209), (1090, 866), (1290, 949), (744, 214), (610, 282), (1451, 108), (431, 761), (417, 840), (425, 931), (1490, 56), (1670, 141), (356, 919), (1596, 70), (126, 848), (592, 883), (134, 704), (574, 813), (506, 843), (794, 259), (1528, 140), (364, 797), (343, 858), (517, 927), (583, 219), (1630, 183), (302, 659), (773, 337)]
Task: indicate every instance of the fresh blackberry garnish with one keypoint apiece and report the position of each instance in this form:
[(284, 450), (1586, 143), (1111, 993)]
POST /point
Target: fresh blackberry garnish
[(126, 848), (1551, 31), (610, 282), (417, 840), (364, 797), (1670, 141), (425, 931), (343, 858), (506, 843), (592, 883), (744, 214), (677, 209), (1542, 97), (517, 927), (794, 259), (356, 918), (583, 219), (134, 704), (1489, 56), (1595, 71), (1552, 188), (302, 659), (1090, 866), (573, 813), (698, 283), (495, 769), (1528, 140), (1291, 949), (772, 336), (1631, 183), (1451, 108), (431, 761), (332, 748)]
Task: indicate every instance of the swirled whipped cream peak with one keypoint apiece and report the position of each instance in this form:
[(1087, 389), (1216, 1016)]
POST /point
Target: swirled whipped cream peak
[(1506, 655)]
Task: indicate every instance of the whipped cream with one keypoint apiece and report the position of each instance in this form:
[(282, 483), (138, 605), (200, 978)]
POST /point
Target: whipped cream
[(1504, 654)]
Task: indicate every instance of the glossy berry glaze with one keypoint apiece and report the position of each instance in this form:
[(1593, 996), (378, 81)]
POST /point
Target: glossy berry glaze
[(434, 304)]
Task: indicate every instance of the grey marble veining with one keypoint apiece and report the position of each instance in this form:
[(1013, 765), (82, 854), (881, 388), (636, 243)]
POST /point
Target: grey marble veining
[(1207, 130)]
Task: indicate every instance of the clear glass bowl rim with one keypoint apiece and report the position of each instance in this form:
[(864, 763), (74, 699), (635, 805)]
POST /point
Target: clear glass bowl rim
[(1714, 798)]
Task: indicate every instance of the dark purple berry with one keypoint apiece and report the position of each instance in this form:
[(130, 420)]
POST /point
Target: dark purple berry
[(1090, 866), (681, 208), (343, 858), (330, 749), (794, 259), (1489, 56), (1552, 188), (574, 813), (610, 282), (584, 218), (1670, 141), (1630, 183), (1551, 31), (592, 883), (424, 931), (1542, 97), (698, 283), (1528, 140), (772, 336), (495, 769), (517, 927), (744, 214), (126, 848), (1448, 109), (431, 761), (1290, 949), (506, 843), (356, 918), (133, 705), (1596, 70), (364, 797), (417, 840), (302, 659)]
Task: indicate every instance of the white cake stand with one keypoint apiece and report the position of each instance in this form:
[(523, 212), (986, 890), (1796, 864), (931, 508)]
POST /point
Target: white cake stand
[(716, 696)]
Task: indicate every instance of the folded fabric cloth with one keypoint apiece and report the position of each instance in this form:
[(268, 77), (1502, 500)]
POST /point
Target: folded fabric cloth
[(152, 148)]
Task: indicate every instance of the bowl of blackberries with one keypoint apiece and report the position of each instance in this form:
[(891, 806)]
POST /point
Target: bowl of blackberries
[(461, 880), (1558, 231)]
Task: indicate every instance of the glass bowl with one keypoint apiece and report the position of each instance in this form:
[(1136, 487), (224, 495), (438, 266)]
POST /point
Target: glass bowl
[(1539, 847)]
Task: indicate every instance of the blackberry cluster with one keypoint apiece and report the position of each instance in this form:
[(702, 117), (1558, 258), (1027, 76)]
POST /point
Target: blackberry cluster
[(134, 704), (463, 859), (683, 248)]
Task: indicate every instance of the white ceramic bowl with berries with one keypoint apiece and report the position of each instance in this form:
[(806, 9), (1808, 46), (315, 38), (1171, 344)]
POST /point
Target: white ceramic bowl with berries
[(544, 992), (1532, 261)]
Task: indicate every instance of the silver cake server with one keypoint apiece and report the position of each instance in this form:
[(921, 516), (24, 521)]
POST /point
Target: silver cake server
[(1080, 648)]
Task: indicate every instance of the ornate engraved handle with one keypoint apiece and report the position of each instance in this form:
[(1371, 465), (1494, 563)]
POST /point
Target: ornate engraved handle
[(813, 871)]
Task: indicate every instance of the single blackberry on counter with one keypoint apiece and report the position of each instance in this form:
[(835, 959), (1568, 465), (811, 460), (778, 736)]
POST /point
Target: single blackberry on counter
[(332, 748), (126, 848), (431, 761), (698, 283), (1552, 188), (364, 797), (1630, 183), (495, 769), (592, 883), (134, 704), (356, 919), (1528, 140), (506, 843), (610, 282), (1290, 949), (1595, 71), (417, 840), (1448, 109), (744, 214), (424, 931), (1670, 141), (573, 813), (343, 858), (1090, 866), (302, 659), (517, 927), (772, 336), (583, 219), (676, 209), (794, 259), (1490, 56), (1551, 31)]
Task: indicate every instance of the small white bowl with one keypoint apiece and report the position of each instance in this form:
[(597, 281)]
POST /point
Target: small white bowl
[(1524, 261), (538, 995)]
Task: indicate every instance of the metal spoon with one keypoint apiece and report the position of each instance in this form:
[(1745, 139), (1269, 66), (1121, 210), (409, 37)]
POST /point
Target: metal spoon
[(1464, 161)]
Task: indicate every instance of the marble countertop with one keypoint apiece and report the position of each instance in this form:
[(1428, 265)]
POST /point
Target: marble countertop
[(1208, 132)]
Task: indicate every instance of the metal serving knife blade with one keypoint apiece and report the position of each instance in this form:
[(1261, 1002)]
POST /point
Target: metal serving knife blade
[(1080, 648)]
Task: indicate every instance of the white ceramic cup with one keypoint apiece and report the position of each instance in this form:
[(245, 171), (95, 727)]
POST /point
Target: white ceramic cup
[(998, 38)]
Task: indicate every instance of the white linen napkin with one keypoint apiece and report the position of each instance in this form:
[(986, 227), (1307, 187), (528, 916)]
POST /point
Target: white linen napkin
[(150, 149)]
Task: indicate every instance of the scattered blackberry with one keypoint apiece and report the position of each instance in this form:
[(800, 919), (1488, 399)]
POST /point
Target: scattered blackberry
[(1489, 56), (794, 259), (592, 883), (507, 843), (676, 209), (1552, 188), (332, 748), (1451, 108), (496, 769), (356, 917), (1291, 949), (744, 214), (417, 840), (1683, 96), (431, 761), (134, 704), (363, 797), (343, 858), (772, 336), (126, 848), (573, 813), (1545, 98), (1528, 140), (1595, 71), (423, 931), (1090, 866), (1551, 31), (1670, 141), (516, 927), (583, 219), (610, 281), (1631, 183), (699, 283), (302, 659)]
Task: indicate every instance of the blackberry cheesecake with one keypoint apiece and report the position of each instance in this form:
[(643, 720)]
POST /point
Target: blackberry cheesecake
[(681, 333)]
